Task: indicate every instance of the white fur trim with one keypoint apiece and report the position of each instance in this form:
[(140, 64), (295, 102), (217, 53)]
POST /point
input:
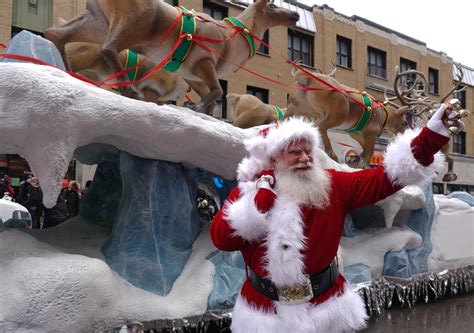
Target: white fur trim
[(285, 241), (256, 145), (340, 313), (401, 166), (244, 217), (250, 167), (290, 130), (247, 319), (261, 149)]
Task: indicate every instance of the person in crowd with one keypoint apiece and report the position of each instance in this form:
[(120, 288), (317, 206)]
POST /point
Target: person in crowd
[(6, 186), (286, 216), (59, 213), (7, 196), (73, 196), (86, 186), (31, 197)]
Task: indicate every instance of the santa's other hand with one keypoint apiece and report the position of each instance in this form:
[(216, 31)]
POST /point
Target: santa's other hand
[(436, 123)]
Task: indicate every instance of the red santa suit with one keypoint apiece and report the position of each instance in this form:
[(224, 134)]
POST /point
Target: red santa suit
[(291, 241)]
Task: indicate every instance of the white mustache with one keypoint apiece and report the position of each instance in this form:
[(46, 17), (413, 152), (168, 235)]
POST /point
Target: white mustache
[(301, 165)]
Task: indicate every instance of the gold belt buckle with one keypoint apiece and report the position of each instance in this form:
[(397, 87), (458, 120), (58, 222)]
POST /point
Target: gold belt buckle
[(296, 294)]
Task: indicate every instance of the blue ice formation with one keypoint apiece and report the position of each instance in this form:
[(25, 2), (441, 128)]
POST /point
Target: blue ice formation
[(28, 44), (463, 196), (357, 273), (406, 263), (229, 277), (156, 225)]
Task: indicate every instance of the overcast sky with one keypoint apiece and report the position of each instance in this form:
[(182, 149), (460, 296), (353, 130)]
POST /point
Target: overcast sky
[(446, 26)]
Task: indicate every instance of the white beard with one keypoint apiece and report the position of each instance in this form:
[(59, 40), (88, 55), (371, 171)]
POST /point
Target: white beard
[(310, 187)]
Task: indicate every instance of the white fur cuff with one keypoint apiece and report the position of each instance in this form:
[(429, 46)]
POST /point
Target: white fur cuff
[(245, 218), (401, 166)]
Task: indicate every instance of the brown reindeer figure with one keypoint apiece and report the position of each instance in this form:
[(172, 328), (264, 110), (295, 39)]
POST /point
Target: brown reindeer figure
[(340, 107), (141, 25), (86, 60), (248, 111)]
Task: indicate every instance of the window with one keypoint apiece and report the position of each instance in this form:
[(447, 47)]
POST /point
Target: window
[(433, 80), (471, 189), (260, 93), (16, 31), (406, 65), (377, 62), (266, 38), (300, 47), (438, 188), (461, 96), (344, 52), (458, 187), (459, 143), (34, 16), (220, 110), (172, 2), (215, 11)]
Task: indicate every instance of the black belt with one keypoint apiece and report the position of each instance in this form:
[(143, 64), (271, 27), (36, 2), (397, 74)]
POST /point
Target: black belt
[(320, 282)]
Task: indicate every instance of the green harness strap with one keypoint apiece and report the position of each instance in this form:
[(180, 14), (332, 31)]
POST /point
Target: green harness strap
[(132, 60), (279, 112), (366, 115), (246, 33), (188, 26)]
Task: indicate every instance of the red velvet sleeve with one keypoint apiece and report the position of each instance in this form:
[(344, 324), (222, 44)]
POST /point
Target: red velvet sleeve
[(365, 187), (426, 144), (221, 232)]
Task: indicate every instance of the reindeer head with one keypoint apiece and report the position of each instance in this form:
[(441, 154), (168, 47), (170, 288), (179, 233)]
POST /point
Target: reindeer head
[(274, 15)]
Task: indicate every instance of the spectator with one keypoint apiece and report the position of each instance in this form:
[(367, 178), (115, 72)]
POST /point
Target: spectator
[(31, 197), (73, 196), (7, 186), (86, 188), (59, 213)]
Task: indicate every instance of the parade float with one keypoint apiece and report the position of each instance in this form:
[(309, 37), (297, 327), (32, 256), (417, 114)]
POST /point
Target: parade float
[(139, 256)]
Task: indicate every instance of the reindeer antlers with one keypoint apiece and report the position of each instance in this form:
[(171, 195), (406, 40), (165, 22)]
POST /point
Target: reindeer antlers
[(413, 93)]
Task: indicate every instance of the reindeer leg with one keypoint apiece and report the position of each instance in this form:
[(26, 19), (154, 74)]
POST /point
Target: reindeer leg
[(367, 142), (450, 175), (327, 144), (117, 40), (151, 94), (206, 71), (200, 88), (83, 28)]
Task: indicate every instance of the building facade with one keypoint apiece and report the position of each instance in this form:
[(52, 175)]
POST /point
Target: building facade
[(364, 52)]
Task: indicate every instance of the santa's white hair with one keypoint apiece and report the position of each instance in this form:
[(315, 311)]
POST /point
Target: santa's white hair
[(271, 141)]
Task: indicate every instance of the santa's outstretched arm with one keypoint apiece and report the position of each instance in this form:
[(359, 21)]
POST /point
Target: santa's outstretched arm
[(414, 157)]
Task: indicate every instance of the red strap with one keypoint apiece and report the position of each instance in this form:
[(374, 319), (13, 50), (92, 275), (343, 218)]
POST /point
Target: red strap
[(165, 37), (40, 62), (197, 40), (340, 90), (154, 70)]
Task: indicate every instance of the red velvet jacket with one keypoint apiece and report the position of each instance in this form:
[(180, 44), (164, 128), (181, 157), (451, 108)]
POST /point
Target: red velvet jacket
[(322, 227)]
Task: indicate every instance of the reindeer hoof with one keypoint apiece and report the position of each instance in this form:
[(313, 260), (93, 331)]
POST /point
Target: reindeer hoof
[(190, 105), (450, 177), (129, 92)]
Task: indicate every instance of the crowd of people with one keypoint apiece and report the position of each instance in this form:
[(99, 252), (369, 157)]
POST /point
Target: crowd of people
[(30, 195)]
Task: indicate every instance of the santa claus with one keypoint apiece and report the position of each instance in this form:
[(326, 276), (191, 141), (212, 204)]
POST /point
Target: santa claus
[(287, 216)]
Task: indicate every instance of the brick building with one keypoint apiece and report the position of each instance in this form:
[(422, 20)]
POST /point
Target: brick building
[(365, 53)]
